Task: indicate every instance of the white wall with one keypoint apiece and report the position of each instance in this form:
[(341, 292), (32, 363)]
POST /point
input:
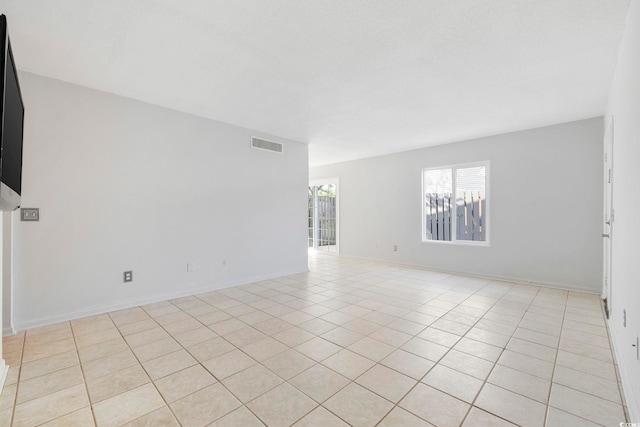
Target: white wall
[(545, 206), (624, 106), (124, 185)]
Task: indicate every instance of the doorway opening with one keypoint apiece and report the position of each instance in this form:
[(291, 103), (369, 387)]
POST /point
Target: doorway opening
[(323, 217)]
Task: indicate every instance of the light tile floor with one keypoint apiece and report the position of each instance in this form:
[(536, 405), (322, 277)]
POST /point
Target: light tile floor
[(350, 343)]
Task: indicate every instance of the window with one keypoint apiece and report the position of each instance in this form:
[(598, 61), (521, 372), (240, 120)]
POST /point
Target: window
[(455, 203)]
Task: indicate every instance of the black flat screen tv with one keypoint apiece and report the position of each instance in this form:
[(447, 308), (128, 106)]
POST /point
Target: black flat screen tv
[(11, 126)]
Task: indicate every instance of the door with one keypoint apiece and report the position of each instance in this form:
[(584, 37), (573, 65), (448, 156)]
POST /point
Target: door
[(607, 228), (323, 217)]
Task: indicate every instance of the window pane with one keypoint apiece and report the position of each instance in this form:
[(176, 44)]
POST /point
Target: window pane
[(437, 184), (471, 203)]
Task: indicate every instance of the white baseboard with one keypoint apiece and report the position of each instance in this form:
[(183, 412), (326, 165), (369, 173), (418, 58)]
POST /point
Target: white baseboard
[(120, 305), (518, 280), (8, 331), (625, 378)]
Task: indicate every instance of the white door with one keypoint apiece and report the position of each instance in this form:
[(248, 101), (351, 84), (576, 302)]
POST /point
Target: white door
[(607, 228)]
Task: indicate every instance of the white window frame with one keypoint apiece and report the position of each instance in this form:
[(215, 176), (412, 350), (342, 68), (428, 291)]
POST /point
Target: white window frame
[(487, 215)]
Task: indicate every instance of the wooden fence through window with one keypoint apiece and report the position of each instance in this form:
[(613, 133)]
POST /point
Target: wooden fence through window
[(470, 218)]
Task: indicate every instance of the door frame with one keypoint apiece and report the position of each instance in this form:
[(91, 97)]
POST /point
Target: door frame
[(608, 217)]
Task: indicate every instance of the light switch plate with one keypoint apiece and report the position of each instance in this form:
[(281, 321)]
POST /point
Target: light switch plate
[(29, 214)]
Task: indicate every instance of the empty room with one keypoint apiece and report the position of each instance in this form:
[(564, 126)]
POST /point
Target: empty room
[(320, 213)]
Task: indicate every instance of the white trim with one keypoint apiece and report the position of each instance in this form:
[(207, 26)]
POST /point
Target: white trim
[(625, 376), (119, 305), (510, 279), (487, 215)]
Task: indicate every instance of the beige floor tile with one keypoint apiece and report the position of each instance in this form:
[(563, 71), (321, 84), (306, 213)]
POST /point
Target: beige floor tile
[(281, 406), (8, 396), (348, 364), (228, 364), (227, 326), (427, 349), (586, 364), (49, 383), (12, 375), (479, 349), (398, 417), (83, 341), (318, 349), (156, 349), (288, 364), (50, 407), (168, 364), (558, 418), (81, 418), (5, 416), (160, 417), (127, 406), (478, 417), (584, 405), (182, 326), (511, 406), (194, 336), (587, 383), (240, 417), (526, 364), (317, 326), (244, 336), (209, 349), (102, 349), (251, 383), (530, 386), (319, 382), (408, 363), (438, 336), (205, 406), (40, 351), (586, 350), (320, 417), (386, 382), (108, 365), (146, 336), (264, 349), (455, 383), (342, 336), (358, 406), (138, 326), (47, 365), (371, 349), (462, 323), (183, 383), (117, 382), (539, 351), (434, 406), (293, 336), (361, 326)]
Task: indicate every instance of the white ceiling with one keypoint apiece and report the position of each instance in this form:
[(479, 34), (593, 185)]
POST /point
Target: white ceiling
[(353, 78)]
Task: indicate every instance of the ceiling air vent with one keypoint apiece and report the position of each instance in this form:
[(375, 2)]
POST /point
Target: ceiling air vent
[(263, 144)]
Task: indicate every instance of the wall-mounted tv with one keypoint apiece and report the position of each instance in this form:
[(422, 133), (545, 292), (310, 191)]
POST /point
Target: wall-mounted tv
[(11, 126)]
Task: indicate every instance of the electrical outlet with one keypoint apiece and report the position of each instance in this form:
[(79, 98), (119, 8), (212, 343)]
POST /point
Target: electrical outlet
[(29, 214), (128, 276), (395, 248)]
